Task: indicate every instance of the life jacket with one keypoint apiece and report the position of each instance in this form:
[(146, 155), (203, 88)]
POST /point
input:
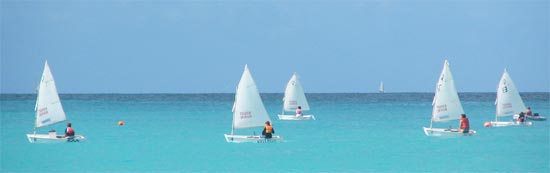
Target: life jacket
[(70, 131), (465, 123), (268, 129), (298, 111)]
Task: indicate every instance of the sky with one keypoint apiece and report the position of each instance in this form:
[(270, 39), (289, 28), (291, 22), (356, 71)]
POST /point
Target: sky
[(169, 46)]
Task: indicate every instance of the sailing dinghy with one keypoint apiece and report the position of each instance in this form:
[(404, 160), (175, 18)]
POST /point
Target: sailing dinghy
[(508, 102), (294, 97), (249, 112), (49, 111), (446, 105)]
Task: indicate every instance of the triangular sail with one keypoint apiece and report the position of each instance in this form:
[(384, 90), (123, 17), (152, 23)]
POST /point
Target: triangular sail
[(381, 89), (249, 110), (48, 106), (509, 101), (294, 95), (446, 104)]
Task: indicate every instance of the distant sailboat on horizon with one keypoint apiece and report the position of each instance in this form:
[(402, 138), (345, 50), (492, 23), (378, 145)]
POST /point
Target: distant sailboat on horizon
[(381, 89)]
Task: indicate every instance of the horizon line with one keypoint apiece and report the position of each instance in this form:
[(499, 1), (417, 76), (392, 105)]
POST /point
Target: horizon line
[(407, 92)]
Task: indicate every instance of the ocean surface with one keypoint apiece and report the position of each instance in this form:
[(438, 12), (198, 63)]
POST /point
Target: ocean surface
[(353, 133)]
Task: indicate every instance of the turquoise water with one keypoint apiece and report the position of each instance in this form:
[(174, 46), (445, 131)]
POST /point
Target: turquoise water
[(352, 133)]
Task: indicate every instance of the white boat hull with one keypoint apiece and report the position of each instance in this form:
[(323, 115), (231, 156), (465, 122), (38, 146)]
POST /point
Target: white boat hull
[(253, 139), (294, 117), (536, 118), (446, 132), (510, 123), (45, 138)]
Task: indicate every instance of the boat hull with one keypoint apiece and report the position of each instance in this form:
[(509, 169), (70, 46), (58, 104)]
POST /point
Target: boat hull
[(510, 123), (294, 117), (536, 118), (45, 138), (446, 132), (252, 139)]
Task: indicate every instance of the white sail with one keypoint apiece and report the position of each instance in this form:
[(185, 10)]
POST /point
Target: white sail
[(381, 89), (509, 101), (48, 106), (294, 95), (249, 110), (446, 104)]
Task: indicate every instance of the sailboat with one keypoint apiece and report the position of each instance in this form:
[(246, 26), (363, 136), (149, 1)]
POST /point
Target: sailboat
[(294, 97), (381, 89), (248, 112), (446, 105), (508, 102), (49, 111)]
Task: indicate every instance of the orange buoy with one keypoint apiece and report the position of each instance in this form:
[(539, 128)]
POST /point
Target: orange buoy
[(487, 124), (120, 123)]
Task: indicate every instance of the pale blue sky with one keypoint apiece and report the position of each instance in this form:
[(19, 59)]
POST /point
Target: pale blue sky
[(335, 46)]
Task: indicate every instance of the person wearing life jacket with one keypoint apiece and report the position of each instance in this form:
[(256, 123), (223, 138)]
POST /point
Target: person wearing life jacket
[(69, 131), (268, 130), (464, 124), (299, 111), (528, 112), (521, 117)]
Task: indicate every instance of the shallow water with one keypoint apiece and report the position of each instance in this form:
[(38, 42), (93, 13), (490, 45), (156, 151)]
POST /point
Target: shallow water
[(352, 133)]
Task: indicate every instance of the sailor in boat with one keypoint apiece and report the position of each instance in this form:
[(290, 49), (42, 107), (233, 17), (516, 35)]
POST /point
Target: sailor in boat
[(299, 111), (464, 126), (268, 130), (528, 112), (531, 115), (69, 131), (521, 117)]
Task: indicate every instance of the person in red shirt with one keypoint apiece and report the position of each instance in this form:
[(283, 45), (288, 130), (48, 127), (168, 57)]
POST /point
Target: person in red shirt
[(69, 131), (528, 112), (464, 124), (521, 117)]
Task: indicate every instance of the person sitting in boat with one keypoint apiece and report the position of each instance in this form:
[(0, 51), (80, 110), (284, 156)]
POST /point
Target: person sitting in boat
[(521, 117), (268, 130), (528, 112), (69, 131), (464, 126), (299, 111)]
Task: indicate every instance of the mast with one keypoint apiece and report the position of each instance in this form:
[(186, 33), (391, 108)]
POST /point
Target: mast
[(283, 113), (233, 110), (36, 105), (431, 122), (232, 126), (433, 104), (284, 95), (496, 103)]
